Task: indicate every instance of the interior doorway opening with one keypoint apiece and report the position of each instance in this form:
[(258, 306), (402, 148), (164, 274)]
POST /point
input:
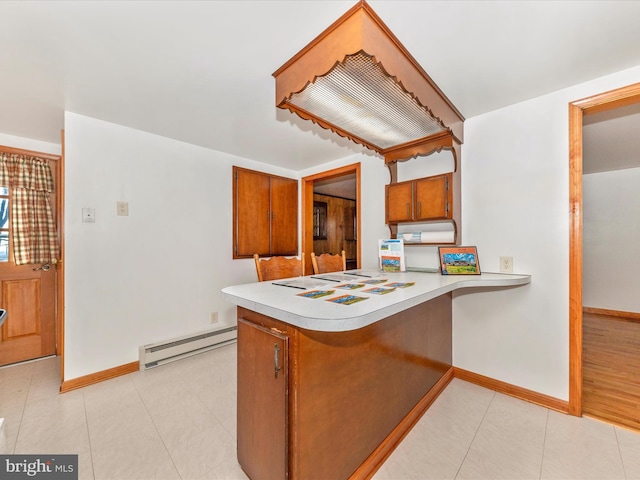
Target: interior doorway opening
[(331, 214), (577, 110)]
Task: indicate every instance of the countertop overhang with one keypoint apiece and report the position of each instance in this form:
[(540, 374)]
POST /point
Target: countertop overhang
[(283, 303)]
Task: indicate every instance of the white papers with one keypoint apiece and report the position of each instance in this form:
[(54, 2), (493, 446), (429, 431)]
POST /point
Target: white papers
[(444, 236), (302, 283), (334, 277)]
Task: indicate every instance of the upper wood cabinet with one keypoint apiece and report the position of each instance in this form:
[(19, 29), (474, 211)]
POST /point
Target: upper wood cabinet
[(265, 214), (420, 200)]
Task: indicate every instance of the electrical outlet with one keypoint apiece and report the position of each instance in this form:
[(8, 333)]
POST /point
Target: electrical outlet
[(506, 264), (123, 209), (214, 317)]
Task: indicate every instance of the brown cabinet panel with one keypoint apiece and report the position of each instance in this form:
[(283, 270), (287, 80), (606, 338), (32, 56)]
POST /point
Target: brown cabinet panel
[(284, 216), (433, 198), (252, 210), (400, 202), (262, 402), (423, 199), (265, 214)]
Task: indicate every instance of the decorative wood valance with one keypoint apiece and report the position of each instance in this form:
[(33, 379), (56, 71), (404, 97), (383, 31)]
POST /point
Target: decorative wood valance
[(357, 80)]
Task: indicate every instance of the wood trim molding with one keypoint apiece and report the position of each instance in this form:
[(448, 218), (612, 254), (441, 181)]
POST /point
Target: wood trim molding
[(60, 266), (512, 390), (421, 147), (630, 316), (361, 30), (307, 208), (575, 260), (386, 448), (620, 97), (98, 377), (597, 103)]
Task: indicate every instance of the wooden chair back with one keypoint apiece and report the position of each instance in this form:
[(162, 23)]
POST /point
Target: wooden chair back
[(275, 268), (326, 262)]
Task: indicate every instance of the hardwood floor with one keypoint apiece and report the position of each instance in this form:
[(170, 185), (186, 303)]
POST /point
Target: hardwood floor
[(611, 368)]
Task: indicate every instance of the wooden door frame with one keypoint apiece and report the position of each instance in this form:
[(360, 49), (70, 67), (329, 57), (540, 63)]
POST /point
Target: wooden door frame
[(307, 209), (60, 268), (598, 103)]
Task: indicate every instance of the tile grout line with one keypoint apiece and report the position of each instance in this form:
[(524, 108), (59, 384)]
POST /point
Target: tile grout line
[(544, 444), (153, 422), (475, 435), (624, 470), (213, 413), (24, 406), (86, 420)]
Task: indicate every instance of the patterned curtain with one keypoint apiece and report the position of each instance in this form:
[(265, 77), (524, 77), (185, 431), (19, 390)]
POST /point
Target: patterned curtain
[(32, 226)]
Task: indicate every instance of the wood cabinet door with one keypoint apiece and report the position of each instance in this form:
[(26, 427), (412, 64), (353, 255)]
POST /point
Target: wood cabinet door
[(433, 198), (251, 227), (399, 202), (262, 431), (284, 216)]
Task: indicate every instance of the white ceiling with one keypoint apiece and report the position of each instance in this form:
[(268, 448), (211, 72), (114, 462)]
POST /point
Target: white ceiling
[(200, 72)]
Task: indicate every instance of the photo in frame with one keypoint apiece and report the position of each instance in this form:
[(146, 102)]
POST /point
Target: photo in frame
[(459, 261)]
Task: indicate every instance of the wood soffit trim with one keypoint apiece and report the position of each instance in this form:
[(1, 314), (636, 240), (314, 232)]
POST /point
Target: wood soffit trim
[(360, 30)]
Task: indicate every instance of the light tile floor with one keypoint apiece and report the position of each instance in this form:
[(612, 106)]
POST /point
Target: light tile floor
[(178, 422)]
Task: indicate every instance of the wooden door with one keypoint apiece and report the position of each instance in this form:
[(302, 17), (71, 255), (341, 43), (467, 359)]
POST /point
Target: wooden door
[(399, 202), (433, 198), (284, 216), (28, 294), (262, 402)]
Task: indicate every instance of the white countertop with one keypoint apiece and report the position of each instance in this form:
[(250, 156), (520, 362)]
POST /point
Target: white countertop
[(284, 303)]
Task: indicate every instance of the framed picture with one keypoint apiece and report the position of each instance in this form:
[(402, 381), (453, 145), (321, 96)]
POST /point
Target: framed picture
[(459, 261)]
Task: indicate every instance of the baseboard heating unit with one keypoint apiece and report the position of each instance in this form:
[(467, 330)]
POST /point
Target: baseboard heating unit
[(159, 353)]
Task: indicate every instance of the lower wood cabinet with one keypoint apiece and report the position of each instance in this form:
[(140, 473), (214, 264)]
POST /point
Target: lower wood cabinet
[(332, 405), (262, 402)]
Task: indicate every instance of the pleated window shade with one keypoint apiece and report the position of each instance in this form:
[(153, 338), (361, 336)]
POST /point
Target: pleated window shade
[(358, 96)]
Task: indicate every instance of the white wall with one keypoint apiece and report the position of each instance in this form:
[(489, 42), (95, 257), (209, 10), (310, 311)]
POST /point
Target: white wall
[(29, 144), (515, 200), (157, 273), (611, 235)]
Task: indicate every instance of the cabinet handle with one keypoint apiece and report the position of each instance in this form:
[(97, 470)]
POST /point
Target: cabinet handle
[(276, 350), (419, 209)]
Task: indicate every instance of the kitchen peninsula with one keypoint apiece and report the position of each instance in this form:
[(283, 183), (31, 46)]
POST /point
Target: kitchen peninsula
[(326, 389)]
